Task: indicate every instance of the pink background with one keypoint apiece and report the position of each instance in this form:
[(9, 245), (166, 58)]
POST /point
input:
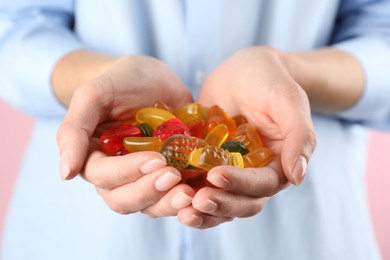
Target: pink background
[(15, 128)]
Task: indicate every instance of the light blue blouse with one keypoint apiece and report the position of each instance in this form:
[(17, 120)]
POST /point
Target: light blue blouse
[(325, 218)]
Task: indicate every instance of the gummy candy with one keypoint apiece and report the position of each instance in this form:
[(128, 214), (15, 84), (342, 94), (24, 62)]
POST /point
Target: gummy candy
[(235, 146), (217, 135), (171, 127), (153, 116), (193, 139), (195, 177), (137, 144), (240, 120), (191, 113), (247, 134), (212, 156), (111, 141), (217, 116), (177, 148), (258, 157), (198, 129), (146, 129), (162, 105)]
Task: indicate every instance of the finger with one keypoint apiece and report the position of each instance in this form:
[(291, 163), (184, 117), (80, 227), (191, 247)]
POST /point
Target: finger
[(299, 138), (177, 198), (84, 113), (299, 145), (221, 203), (109, 172), (254, 182), (143, 193), (193, 218)]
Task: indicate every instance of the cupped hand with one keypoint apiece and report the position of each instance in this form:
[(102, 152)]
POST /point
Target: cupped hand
[(133, 182), (257, 83)]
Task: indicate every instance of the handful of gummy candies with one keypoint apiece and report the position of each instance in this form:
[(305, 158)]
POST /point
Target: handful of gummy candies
[(193, 139)]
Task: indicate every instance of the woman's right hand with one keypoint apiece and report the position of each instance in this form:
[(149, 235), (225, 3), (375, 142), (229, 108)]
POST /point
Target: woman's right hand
[(134, 182)]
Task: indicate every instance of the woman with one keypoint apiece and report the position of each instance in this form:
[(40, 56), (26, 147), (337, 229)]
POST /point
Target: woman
[(324, 71)]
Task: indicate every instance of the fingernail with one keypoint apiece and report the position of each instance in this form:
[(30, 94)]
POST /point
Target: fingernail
[(166, 181), (193, 221), (152, 165), (299, 170), (180, 200), (207, 206), (220, 181), (64, 165)]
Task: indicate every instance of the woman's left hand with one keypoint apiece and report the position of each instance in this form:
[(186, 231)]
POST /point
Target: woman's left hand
[(257, 83)]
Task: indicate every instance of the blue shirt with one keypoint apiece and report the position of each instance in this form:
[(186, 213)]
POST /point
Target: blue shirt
[(325, 218)]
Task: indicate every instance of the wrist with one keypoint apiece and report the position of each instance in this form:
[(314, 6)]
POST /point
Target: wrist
[(77, 68), (332, 79)]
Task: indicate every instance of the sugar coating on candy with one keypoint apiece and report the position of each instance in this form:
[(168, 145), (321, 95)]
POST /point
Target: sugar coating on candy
[(171, 127), (177, 148), (111, 141)]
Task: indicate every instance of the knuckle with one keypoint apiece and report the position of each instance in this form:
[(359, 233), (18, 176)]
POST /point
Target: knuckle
[(150, 213), (96, 180), (118, 206), (254, 209), (312, 140)]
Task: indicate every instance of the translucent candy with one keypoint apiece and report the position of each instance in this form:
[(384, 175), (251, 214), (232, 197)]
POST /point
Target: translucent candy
[(162, 105), (193, 139), (191, 113), (137, 144), (171, 127), (240, 120), (217, 135), (198, 129), (195, 177), (111, 141), (212, 156), (177, 148), (234, 146), (248, 135), (146, 129), (217, 116), (153, 116), (258, 157)]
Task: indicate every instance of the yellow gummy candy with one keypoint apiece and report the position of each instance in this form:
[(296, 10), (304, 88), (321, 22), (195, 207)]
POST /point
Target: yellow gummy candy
[(137, 144), (153, 116)]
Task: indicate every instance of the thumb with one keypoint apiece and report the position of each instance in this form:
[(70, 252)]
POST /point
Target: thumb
[(297, 149), (73, 136)]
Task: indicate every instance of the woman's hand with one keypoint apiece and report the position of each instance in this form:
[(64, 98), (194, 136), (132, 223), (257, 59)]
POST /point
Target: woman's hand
[(133, 182), (256, 83)]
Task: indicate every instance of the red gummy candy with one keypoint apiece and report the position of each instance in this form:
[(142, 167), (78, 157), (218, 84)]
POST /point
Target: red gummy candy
[(111, 141), (198, 129), (171, 127)]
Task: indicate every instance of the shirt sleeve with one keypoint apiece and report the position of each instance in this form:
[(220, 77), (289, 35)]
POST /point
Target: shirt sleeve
[(34, 35), (363, 30)]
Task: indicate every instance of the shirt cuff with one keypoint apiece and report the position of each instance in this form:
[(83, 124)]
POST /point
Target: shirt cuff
[(45, 50), (373, 53)]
